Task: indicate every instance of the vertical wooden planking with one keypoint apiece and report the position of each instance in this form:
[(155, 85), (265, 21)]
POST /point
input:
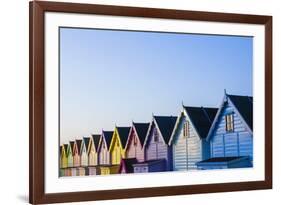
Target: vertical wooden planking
[(158, 149), (70, 160), (134, 150), (103, 154)]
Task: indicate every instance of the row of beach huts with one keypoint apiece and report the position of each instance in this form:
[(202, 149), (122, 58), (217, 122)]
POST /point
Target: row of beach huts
[(199, 138)]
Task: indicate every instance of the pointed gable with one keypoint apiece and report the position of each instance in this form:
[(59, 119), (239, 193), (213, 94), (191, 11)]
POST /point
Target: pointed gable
[(201, 118), (71, 143), (69, 148), (96, 139), (141, 131), (123, 133), (107, 137), (65, 149), (166, 126), (244, 105), (85, 143), (78, 145)]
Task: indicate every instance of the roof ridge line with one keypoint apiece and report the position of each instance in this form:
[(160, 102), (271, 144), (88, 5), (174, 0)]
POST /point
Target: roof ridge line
[(206, 114)]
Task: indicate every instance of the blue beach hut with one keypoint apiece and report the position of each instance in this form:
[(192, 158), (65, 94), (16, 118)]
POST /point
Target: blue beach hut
[(231, 135)]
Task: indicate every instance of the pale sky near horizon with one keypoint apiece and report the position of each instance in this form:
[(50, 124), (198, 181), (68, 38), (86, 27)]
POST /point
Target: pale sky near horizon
[(110, 78)]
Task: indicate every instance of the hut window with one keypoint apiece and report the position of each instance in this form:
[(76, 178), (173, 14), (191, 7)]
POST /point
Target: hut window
[(117, 143), (135, 140), (156, 136), (229, 123), (186, 129)]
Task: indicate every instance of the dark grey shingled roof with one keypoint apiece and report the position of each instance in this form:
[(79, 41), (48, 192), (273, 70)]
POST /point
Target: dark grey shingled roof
[(166, 125), (128, 163), (123, 134), (202, 118), (71, 145), (65, 147), (108, 136), (78, 142), (141, 129), (96, 139), (244, 105)]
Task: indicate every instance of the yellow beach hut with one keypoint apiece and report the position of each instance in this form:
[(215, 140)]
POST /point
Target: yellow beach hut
[(63, 160), (118, 143), (64, 156)]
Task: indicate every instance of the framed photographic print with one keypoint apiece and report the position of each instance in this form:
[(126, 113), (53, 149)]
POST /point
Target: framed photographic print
[(139, 102)]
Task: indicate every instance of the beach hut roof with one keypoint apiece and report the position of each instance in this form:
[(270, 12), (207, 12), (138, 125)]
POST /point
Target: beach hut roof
[(78, 143), (166, 126), (123, 133), (96, 139), (201, 118), (86, 141), (141, 130), (244, 105), (108, 136)]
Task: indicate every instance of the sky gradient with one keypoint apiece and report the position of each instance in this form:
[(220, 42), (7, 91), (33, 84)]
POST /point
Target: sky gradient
[(110, 78)]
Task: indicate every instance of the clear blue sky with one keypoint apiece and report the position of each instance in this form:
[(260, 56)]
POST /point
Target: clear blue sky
[(113, 77)]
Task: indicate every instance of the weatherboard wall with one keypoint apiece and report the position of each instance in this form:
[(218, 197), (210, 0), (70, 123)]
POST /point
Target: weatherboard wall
[(103, 154), (134, 147), (70, 160), (236, 143), (188, 150), (158, 149), (63, 158), (92, 154), (93, 158), (84, 156), (116, 150)]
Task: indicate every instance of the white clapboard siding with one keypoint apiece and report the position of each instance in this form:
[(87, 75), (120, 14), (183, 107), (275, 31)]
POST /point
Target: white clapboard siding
[(93, 158), (104, 158), (84, 159), (187, 150)]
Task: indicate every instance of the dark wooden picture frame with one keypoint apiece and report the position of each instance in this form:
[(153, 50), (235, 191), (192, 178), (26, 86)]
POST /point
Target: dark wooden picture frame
[(37, 96)]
